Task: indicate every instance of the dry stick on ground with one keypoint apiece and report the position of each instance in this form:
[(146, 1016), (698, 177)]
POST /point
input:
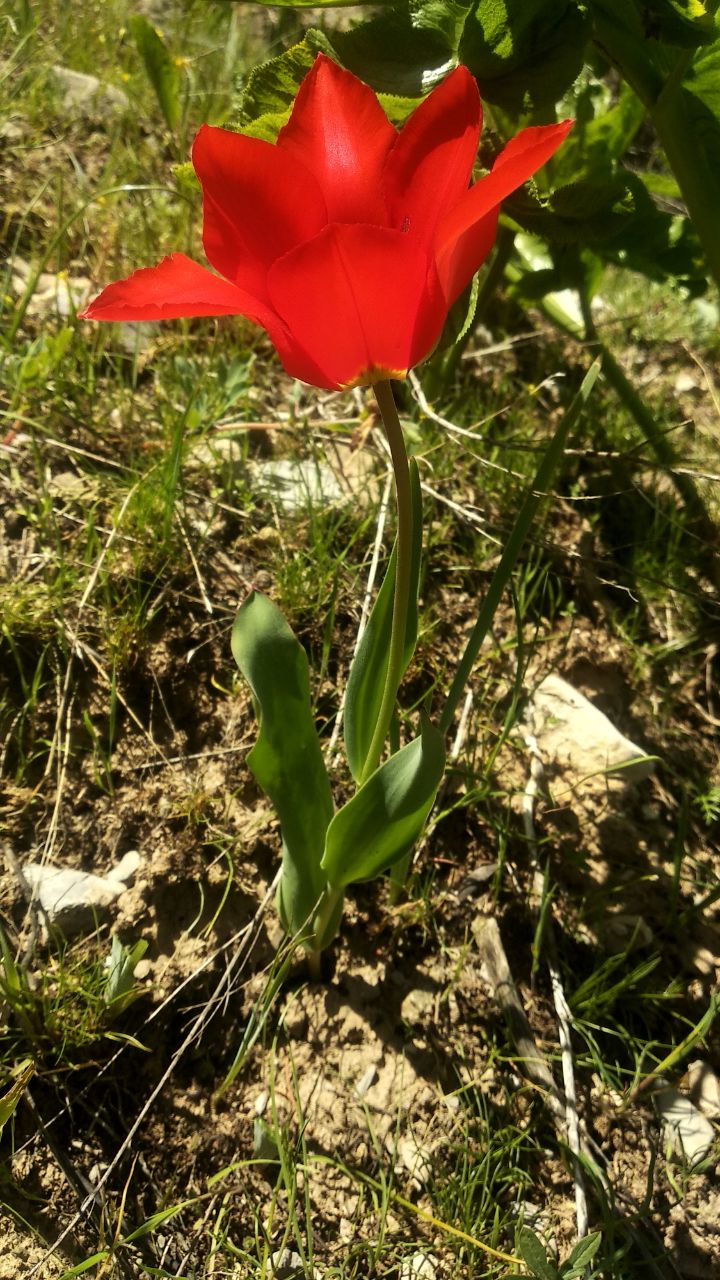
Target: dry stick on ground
[(564, 1016)]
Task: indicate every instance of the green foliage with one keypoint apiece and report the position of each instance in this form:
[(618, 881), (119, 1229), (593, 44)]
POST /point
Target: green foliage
[(385, 817), (525, 54), (407, 48), (286, 760), (162, 71), (368, 671), (267, 96), (120, 990), (532, 1252)]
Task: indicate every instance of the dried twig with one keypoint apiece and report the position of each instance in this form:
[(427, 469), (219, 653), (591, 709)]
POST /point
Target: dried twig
[(562, 1009)]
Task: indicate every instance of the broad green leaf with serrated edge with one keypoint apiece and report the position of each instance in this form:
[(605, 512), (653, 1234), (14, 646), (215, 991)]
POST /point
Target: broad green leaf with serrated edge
[(386, 816), (678, 22), (582, 1255), (286, 760), (161, 70), (266, 99), (533, 1254), (593, 147), (368, 670), (406, 49), (525, 53)]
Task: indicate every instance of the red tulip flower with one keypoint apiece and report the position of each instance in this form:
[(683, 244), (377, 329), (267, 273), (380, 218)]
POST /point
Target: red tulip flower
[(346, 240)]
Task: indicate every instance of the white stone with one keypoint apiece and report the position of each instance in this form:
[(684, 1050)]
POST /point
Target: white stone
[(420, 1266), (704, 1088), (571, 731), (284, 1264), (297, 484), (86, 95), (690, 1132), (72, 900)]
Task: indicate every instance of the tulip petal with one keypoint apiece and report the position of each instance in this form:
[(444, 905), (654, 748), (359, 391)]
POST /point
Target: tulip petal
[(428, 169), (463, 239), (339, 131), (363, 300), (257, 204), (176, 287)]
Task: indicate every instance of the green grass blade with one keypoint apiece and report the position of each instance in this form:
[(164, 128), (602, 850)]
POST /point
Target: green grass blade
[(538, 490)]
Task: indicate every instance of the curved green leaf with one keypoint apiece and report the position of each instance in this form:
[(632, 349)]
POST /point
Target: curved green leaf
[(368, 670), (161, 70), (386, 816), (286, 760)]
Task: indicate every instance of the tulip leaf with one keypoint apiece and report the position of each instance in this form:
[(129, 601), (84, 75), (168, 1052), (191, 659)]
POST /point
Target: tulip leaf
[(383, 820), (162, 71), (525, 54), (286, 760), (366, 680)]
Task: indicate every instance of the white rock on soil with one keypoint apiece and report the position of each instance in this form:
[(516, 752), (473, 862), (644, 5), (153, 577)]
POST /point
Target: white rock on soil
[(86, 95), (703, 1088), (690, 1132), (420, 1266), (286, 1264), (73, 900), (53, 294), (297, 484), (571, 731)]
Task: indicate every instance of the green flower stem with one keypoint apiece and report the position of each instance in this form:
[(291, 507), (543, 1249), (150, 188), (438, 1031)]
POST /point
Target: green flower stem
[(323, 929), (398, 453)]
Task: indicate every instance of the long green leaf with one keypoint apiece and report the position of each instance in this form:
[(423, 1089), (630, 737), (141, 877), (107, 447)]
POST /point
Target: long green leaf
[(286, 759), (368, 670), (161, 70), (385, 817)]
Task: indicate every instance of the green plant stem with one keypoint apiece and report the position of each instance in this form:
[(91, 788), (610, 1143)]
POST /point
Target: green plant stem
[(403, 562), (534, 496), (323, 928)]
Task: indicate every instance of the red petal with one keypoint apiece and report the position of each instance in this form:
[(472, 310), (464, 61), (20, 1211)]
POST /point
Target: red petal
[(176, 287), (463, 239), (257, 204), (362, 301), (339, 131), (428, 169)]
